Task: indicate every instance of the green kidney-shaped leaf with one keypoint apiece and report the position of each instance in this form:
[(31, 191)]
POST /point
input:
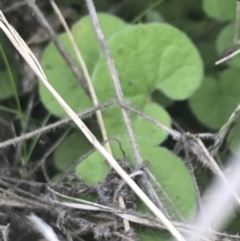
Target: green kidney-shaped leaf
[(221, 10), (148, 57), (224, 44), (59, 74), (216, 99)]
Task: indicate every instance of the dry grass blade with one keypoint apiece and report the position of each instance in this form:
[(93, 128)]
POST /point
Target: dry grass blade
[(219, 205), (43, 228), (86, 75), (33, 63), (230, 56), (236, 37)]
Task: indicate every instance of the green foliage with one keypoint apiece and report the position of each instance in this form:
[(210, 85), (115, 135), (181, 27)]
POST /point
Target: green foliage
[(62, 79), (147, 234), (87, 42), (167, 168), (59, 74), (233, 138), (144, 131), (225, 41), (6, 89), (158, 97), (94, 169), (148, 59), (209, 54), (221, 10), (142, 71), (70, 150), (154, 16), (8, 70), (216, 99), (186, 15), (157, 65)]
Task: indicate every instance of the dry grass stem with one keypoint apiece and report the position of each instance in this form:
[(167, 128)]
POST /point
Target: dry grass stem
[(86, 75), (43, 228), (219, 204)]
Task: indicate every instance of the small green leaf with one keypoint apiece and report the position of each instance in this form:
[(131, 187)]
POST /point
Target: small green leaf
[(224, 44), (94, 169), (70, 150), (222, 10), (216, 99), (58, 72)]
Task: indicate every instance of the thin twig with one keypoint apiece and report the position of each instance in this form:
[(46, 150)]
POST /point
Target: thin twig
[(213, 164), (219, 137), (226, 58), (52, 126), (115, 78), (42, 160), (173, 133), (66, 56)]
